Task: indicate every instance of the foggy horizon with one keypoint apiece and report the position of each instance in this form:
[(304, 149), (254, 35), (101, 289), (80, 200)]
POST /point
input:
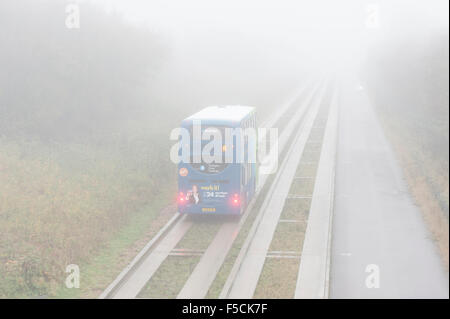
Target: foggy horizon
[(349, 200)]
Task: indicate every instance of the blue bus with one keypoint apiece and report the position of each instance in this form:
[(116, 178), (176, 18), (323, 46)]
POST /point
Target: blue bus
[(226, 184)]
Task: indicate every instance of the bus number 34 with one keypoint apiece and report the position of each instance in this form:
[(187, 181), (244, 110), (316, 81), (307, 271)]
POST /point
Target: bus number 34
[(215, 194)]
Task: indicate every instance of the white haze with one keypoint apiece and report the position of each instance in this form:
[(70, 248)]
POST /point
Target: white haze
[(320, 34)]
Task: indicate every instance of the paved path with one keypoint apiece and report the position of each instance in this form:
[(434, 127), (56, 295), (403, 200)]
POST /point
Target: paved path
[(375, 220)]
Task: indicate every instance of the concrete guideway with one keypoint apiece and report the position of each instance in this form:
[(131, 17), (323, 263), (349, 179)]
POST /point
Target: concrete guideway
[(205, 272), (133, 278), (313, 275), (370, 227), (377, 229), (142, 274), (244, 276), (116, 284)]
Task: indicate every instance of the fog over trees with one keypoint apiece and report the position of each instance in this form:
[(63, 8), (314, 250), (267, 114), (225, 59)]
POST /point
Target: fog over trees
[(85, 114)]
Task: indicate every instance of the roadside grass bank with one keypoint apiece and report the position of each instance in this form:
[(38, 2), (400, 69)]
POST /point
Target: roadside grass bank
[(426, 176), (53, 214), (409, 88), (98, 272)]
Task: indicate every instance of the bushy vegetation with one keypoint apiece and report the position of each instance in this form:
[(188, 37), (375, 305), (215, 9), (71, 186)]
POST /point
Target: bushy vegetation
[(409, 85), (75, 149), (72, 84), (85, 116), (54, 214)]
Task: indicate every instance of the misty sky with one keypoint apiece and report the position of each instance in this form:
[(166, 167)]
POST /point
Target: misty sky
[(262, 16), (321, 30)]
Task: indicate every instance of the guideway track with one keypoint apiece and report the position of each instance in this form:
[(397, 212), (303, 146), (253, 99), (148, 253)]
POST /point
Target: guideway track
[(244, 276), (134, 277)]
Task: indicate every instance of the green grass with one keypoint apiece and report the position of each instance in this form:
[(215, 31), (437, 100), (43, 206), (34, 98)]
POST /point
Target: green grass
[(313, 147), (316, 135), (103, 268), (276, 284), (54, 213), (289, 236), (170, 277), (306, 169), (200, 235), (302, 187), (295, 208)]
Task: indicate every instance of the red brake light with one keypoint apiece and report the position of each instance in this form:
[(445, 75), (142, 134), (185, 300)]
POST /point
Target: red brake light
[(181, 198), (235, 200)]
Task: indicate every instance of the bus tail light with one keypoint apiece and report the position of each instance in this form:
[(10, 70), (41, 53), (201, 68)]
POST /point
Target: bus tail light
[(235, 200), (181, 198)]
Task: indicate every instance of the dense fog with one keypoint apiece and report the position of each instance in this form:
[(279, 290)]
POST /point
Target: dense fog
[(86, 110), (136, 60)]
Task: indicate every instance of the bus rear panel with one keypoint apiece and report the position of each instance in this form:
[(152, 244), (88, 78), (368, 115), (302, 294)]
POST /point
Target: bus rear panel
[(217, 187)]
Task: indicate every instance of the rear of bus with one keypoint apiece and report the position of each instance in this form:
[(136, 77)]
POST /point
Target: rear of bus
[(209, 188)]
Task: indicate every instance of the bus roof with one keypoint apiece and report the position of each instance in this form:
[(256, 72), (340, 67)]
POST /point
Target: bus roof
[(235, 113)]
